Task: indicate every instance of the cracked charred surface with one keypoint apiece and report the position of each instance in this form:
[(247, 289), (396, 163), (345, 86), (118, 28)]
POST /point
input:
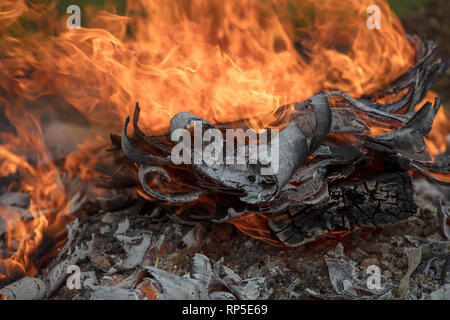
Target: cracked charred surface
[(381, 199)]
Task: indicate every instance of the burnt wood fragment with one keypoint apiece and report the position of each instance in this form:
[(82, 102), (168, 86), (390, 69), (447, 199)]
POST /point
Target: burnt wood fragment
[(373, 201), (137, 155), (175, 197), (410, 137)]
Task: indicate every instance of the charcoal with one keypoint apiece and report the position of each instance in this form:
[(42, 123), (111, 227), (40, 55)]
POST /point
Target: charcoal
[(381, 199)]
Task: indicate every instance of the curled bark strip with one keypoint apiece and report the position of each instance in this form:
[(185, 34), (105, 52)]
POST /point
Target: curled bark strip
[(416, 167), (322, 115), (425, 79), (136, 155), (239, 177), (441, 164), (177, 197), (415, 94), (367, 108), (410, 137), (344, 120), (293, 153), (153, 141), (425, 50)]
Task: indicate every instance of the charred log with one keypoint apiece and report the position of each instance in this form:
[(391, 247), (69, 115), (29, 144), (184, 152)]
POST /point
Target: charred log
[(373, 201)]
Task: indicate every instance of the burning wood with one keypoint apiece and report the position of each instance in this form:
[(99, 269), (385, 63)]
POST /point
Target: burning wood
[(333, 188), (336, 123)]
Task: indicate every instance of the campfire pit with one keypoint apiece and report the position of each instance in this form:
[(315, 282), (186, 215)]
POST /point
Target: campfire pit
[(330, 156)]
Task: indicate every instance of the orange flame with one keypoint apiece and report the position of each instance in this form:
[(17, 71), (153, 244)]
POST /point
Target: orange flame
[(221, 60)]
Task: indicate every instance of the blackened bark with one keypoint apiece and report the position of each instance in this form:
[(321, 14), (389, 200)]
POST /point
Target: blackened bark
[(377, 200)]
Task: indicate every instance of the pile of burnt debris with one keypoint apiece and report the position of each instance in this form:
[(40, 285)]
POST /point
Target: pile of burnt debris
[(131, 249), (333, 174), (334, 177)]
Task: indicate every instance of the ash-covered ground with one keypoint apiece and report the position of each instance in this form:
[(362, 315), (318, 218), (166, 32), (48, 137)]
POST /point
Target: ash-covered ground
[(411, 257)]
